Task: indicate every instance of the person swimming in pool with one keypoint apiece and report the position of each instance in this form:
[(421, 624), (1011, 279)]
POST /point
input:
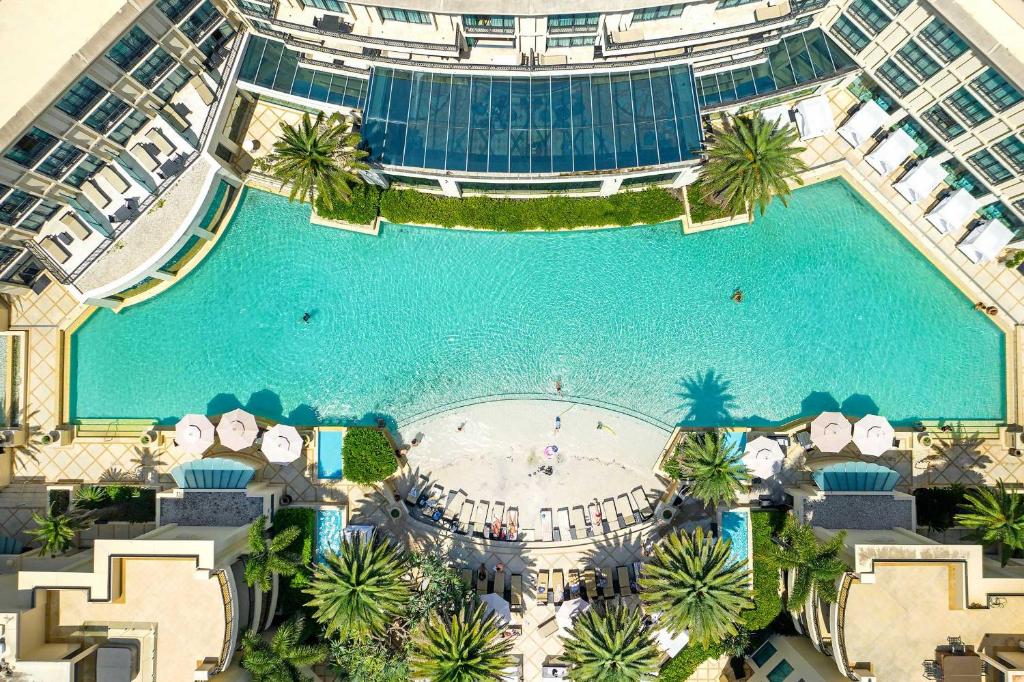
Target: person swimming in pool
[(737, 296), (306, 317)]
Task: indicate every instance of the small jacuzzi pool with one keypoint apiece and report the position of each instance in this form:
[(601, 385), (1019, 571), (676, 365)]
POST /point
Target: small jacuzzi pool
[(329, 524), (734, 526), (329, 442)]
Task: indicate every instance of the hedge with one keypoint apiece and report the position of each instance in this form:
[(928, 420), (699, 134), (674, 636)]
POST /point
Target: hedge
[(291, 597), (122, 502), (367, 455), (653, 205), (361, 210), (701, 209)]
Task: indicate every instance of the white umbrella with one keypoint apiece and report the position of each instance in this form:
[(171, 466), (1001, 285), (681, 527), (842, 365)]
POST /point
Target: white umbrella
[(498, 606), (873, 435), (237, 429), (568, 611), (194, 433), (830, 431), (282, 444), (763, 457)]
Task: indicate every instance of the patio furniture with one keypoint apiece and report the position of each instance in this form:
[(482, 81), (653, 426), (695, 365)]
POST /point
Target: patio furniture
[(814, 117), (479, 524), (543, 586), (608, 585), (952, 212), (558, 585), (544, 525), (454, 505), (465, 515), (116, 180), (921, 180), (512, 532), (75, 225), (95, 194), (623, 575), (581, 528), (55, 250), (965, 667), (574, 583), (497, 524), (481, 584), (643, 505), (864, 123), (517, 592), (126, 212), (158, 138), (594, 514), (611, 514), (413, 496), (986, 241), (626, 507), (142, 153), (804, 439), (330, 23), (891, 153), (499, 583), (205, 93), (780, 115), (590, 583), (548, 627), (564, 526), (172, 167)]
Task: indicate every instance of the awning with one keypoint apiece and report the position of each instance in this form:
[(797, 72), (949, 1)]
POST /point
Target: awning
[(237, 429), (194, 433), (894, 150), (953, 211), (831, 431), (863, 124)]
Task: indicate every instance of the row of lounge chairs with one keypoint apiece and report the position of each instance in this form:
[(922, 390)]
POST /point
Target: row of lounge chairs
[(594, 518), (456, 512), (510, 590)]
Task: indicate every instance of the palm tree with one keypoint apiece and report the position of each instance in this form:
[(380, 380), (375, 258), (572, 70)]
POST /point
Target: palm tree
[(468, 647), (614, 647), (56, 532), (694, 583), (751, 161), (317, 158), (267, 556), (715, 471), (997, 517), (359, 591), (816, 564), (279, 659)]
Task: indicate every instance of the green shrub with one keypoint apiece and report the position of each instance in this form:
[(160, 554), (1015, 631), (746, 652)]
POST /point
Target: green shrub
[(90, 496), (654, 205), (361, 210), (291, 598), (701, 208), (59, 502), (686, 662), (937, 507), (367, 455)]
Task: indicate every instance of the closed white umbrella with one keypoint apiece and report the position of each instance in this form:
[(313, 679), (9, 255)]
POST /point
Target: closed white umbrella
[(497, 605), (194, 433), (568, 611), (237, 429), (831, 431), (763, 457), (282, 444), (873, 435)]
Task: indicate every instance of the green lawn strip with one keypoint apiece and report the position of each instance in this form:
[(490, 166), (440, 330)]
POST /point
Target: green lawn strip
[(361, 210), (701, 209)]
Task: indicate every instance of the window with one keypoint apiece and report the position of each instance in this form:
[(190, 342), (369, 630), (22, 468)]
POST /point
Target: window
[(897, 78), (60, 160), (918, 60), (42, 212), (202, 19), (83, 171), (996, 90), (990, 166), (496, 23), (256, 8), (947, 126), (567, 23), (129, 126), (896, 6), (173, 83), (80, 97), (849, 34), (106, 114), (173, 9), (780, 672), (655, 13), (31, 147), (870, 14), (409, 16), (154, 66), (14, 205), (571, 41), (1012, 149), (764, 654), (723, 4), (130, 48), (329, 5), (968, 106), (943, 39)]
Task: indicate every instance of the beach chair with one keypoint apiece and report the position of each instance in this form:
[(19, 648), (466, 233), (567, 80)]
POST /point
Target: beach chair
[(116, 180), (653, 498), (642, 504), (594, 516), (512, 524), (55, 250), (580, 527), (467, 578), (158, 138), (574, 583), (516, 600), (626, 508), (543, 587), (497, 521), (544, 525), (611, 514), (623, 575), (94, 193), (76, 227), (454, 505), (480, 517), (144, 155), (481, 584), (548, 627), (564, 526), (558, 585), (414, 492), (465, 515), (608, 589), (590, 583), (499, 584)]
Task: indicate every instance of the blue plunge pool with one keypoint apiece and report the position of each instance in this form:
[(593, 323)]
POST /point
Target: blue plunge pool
[(735, 527), (329, 525), (838, 311), (328, 453)]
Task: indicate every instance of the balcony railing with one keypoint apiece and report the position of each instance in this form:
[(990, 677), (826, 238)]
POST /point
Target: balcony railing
[(357, 38), (839, 636)]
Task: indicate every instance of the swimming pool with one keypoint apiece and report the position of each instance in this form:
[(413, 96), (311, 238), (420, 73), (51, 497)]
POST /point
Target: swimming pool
[(328, 453), (839, 310), (328, 532), (735, 527)]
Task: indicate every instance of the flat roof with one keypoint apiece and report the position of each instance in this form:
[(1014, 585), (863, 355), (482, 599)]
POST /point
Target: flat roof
[(996, 27)]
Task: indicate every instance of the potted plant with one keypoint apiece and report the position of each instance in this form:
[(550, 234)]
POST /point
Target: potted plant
[(147, 438)]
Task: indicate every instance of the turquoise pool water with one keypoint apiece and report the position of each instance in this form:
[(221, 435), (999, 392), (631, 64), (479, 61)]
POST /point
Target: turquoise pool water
[(736, 529), (838, 310), (328, 454), (328, 532)]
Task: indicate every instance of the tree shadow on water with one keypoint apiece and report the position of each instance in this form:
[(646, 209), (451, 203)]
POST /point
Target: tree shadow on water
[(706, 400)]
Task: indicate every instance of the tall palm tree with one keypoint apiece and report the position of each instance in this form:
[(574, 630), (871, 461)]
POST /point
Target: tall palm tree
[(613, 647), (997, 517), (359, 591), (279, 659), (751, 161), (694, 583), (816, 565), (468, 647), (317, 158), (56, 532), (267, 556), (713, 467)]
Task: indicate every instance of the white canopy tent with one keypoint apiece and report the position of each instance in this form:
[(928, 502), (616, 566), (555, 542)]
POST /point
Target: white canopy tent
[(568, 612), (779, 115), (921, 180), (237, 429), (281, 444), (952, 212), (986, 241), (892, 152), (496, 604), (669, 643), (831, 431), (814, 117), (763, 457), (873, 435), (194, 433), (864, 123)]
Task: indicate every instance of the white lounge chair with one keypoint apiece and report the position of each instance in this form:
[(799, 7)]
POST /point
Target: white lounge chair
[(890, 155), (116, 180), (986, 241), (76, 227), (814, 117), (544, 526), (781, 116), (921, 180), (94, 193), (144, 155), (864, 123), (55, 250), (952, 212)]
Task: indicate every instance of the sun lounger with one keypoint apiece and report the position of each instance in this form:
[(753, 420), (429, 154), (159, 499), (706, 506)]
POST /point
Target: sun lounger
[(499, 584), (864, 123), (891, 153), (467, 578), (921, 181), (76, 227), (203, 89), (516, 600), (558, 585), (55, 250), (454, 505), (512, 531), (481, 584), (544, 525), (986, 241), (414, 492), (590, 583), (97, 196), (116, 180), (548, 627), (611, 514), (951, 213), (623, 575), (433, 508), (465, 515), (608, 589), (580, 527), (625, 506), (146, 158), (497, 521), (596, 518), (564, 526), (480, 517), (157, 137), (574, 583), (814, 117), (642, 504), (543, 586)]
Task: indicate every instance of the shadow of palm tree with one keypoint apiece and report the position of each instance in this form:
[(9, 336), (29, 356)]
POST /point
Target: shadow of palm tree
[(116, 474), (146, 463), (29, 451), (957, 447), (706, 400)]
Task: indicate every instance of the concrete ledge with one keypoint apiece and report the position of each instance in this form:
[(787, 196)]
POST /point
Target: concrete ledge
[(317, 219)]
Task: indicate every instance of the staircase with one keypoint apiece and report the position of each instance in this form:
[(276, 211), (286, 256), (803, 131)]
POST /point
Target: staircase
[(111, 429), (970, 430)]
